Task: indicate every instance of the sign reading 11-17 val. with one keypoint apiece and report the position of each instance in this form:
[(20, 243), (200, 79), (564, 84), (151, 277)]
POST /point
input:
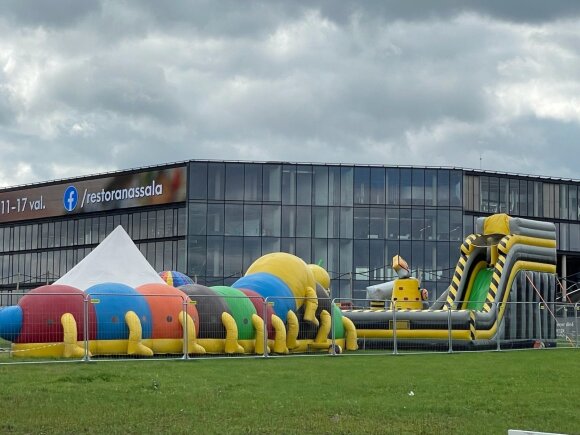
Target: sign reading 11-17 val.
[(139, 189)]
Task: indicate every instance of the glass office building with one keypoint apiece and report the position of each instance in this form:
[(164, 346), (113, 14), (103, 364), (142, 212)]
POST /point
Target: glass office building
[(212, 219)]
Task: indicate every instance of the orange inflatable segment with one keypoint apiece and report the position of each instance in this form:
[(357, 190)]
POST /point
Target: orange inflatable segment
[(166, 303)]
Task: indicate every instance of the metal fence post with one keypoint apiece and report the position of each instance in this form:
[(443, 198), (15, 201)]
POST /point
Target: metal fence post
[(540, 321), (185, 337), (450, 331), (395, 328), (576, 308), (498, 332), (86, 328), (332, 338), (265, 312)]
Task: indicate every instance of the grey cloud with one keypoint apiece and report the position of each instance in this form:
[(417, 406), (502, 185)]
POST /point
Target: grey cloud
[(55, 13), (131, 87), (129, 84)]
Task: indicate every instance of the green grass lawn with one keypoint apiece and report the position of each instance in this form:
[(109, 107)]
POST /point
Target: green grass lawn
[(460, 393)]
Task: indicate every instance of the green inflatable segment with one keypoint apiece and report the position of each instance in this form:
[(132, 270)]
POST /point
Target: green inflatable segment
[(337, 321), (241, 308), (480, 289)]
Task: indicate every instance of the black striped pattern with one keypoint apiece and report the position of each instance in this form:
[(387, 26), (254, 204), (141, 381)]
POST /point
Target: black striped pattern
[(459, 269), (472, 324), (496, 277), (502, 246)]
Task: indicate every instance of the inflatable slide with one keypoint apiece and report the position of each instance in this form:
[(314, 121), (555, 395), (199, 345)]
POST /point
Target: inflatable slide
[(501, 289)]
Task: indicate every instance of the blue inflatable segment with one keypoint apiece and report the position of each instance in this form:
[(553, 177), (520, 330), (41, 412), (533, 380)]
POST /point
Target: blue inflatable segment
[(10, 322), (111, 302), (268, 285)]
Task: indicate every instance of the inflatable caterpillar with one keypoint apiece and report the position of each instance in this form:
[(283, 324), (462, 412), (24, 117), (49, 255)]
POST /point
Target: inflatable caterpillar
[(280, 305)]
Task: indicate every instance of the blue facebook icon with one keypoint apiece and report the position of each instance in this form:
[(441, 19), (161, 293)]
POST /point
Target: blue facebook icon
[(70, 199)]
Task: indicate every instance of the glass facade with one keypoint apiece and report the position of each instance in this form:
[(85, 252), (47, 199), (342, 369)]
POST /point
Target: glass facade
[(42, 251), (351, 219)]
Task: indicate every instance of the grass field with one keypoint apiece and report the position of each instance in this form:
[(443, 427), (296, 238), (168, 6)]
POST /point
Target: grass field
[(460, 393)]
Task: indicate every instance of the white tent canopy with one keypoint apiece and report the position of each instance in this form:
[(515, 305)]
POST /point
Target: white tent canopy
[(116, 259)]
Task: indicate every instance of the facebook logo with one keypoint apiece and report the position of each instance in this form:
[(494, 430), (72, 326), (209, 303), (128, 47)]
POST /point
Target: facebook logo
[(70, 199)]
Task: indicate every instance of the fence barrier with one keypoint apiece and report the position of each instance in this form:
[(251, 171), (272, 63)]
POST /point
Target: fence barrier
[(112, 325)]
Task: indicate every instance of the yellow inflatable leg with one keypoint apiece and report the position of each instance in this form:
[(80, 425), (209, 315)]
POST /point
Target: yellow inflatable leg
[(134, 345), (259, 327), (71, 347), (192, 345), (231, 345), (310, 306), (351, 336), (324, 330), (293, 328), (279, 335)]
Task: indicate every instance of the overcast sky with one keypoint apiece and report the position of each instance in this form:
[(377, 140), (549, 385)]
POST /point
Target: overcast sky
[(91, 86)]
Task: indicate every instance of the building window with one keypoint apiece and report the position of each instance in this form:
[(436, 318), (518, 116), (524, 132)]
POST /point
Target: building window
[(377, 223), (198, 180), (215, 256), (252, 215), (252, 251), (523, 195), (216, 181), (233, 256), (377, 194), (271, 220), (304, 185), (418, 224), (405, 226), (234, 181), (431, 187), (320, 252), (271, 182), (455, 194), (304, 249), (346, 185), (346, 222), (253, 182), (303, 222), (572, 202), (361, 223), (418, 188), (333, 222), (443, 188), (392, 221), (503, 195), (234, 220), (334, 185), (197, 219), (320, 222), (392, 186), (289, 184), (405, 186), (320, 194), (361, 185), (288, 221)]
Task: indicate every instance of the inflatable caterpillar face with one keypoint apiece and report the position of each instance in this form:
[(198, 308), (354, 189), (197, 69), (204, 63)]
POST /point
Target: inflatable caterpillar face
[(297, 276), (321, 277)]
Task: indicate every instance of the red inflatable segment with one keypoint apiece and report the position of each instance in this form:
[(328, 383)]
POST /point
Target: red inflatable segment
[(42, 309), (165, 303), (258, 302)]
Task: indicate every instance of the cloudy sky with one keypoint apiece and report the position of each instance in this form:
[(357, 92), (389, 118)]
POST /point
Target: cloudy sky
[(97, 85)]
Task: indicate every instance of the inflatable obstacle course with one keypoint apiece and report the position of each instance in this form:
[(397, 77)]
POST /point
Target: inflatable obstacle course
[(281, 305), (505, 272)]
